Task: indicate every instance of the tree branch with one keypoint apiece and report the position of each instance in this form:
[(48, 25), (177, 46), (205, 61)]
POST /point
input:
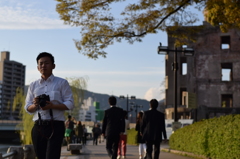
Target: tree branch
[(176, 10)]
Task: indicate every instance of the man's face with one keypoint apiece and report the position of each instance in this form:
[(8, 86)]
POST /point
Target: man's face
[(45, 66)]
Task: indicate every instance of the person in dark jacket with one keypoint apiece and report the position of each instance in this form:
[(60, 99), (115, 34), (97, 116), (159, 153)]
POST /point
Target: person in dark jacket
[(153, 126), (85, 134), (140, 141), (96, 132), (113, 126), (79, 132)]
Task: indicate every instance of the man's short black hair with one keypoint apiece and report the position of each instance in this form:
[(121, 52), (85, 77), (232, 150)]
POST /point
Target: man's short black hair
[(69, 116), (112, 100), (154, 104), (45, 54)]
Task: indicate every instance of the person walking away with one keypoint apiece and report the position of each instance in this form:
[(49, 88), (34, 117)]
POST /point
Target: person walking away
[(113, 126), (69, 124), (79, 132), (122, 145), (153, 126), (100, 137), (96, 132), (84, 135), (140, 141), (99, 133), (47, 99)]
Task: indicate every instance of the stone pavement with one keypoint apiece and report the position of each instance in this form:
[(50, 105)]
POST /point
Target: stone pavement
[(91, 151)]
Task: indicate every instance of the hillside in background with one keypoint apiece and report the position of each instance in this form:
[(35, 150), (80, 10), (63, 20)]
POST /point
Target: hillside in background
[(103, 100)]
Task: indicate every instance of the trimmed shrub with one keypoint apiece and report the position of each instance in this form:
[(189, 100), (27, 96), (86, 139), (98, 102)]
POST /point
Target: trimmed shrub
[(217, 138)]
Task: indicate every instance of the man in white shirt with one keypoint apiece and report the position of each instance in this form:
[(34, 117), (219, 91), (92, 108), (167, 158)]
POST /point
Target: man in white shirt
[(48, 130)]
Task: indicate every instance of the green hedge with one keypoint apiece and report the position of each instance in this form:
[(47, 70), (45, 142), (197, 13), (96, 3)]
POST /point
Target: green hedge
[(217, 138), (132, 137)]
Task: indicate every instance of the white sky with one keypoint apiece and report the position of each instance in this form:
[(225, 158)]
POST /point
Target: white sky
[(29, 27)]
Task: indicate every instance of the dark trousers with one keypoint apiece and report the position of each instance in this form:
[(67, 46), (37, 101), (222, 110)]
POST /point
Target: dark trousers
[(112, 146), (84, 139), (79, 139), (149, 145), (44, 147), (95, 139)]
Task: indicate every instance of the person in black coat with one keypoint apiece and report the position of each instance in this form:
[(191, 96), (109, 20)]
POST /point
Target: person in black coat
[(113, 125), (96, 132), (153, 126), (140, 141)]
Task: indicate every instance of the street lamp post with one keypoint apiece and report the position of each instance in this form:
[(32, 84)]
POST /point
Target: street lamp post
[(123, 97), (187, 52), (136, 108)]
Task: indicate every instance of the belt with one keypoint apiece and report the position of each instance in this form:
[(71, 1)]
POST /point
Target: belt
[(46, 122)]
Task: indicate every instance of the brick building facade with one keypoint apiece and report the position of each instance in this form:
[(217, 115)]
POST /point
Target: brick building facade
[(210, 78)]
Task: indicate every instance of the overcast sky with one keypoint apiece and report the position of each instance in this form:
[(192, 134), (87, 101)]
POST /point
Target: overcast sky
[(29, 27)]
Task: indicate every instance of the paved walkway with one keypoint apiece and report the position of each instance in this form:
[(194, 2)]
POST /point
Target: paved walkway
[(90, 151)]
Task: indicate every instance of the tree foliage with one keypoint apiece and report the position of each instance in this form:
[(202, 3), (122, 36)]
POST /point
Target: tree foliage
[(78, 86), (100, 25), (101, 28), (223, 13), (27, 123)]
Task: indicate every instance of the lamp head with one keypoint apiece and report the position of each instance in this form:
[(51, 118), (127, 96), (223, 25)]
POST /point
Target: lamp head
[(163, 50), (133, 97), (188, 51), (121, 97)]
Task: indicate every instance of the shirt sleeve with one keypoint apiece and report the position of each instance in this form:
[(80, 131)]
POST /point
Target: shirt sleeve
[(67, 95), (104, 125), (29, 99), (122, 122), (164, 128), (143, 123)]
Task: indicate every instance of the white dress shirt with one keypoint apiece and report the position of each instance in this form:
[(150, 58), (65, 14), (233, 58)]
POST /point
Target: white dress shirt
[(59, 92)]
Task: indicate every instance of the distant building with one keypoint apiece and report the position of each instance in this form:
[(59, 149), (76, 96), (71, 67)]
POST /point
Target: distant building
[(88, 110), (210, 78), (99, 112), (12, 76)]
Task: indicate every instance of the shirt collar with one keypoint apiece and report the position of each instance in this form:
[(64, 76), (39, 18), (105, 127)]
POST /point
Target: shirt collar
[(50, 78)]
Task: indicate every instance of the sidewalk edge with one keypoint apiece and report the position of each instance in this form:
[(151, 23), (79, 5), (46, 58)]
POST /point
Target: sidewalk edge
[(184, 153)]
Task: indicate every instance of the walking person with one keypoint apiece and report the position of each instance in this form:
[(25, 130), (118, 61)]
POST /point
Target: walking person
[(79, 132), (47, 99), (122, 145), (140, 141), (69, 125), (100, 138), (96, 132), (152, 129), (113, 126), (84, 135)]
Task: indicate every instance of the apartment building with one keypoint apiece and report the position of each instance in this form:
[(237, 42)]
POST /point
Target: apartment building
[(88, 110), (210, 78), (12, 76)]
